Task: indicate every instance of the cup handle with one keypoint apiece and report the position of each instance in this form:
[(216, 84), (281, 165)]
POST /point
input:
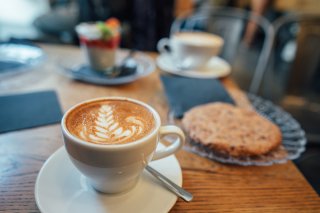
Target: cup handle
[(174, 146), (162, 44)]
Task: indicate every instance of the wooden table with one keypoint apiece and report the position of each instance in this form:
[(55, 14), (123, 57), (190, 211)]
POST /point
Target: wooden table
[(216, 187)]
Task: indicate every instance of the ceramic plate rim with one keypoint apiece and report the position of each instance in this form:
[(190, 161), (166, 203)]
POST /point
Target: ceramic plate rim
[(35, 62), (191, 73)]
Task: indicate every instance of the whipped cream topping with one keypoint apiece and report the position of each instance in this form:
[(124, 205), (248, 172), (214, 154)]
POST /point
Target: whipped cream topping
[(89, 31)]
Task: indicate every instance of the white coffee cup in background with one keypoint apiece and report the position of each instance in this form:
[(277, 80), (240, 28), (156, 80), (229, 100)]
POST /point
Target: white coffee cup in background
[(191, 50)]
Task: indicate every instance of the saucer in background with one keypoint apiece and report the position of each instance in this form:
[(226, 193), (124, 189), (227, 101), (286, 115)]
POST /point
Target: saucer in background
[(18, 57), (78, 70), (61, 188), (215, 68)]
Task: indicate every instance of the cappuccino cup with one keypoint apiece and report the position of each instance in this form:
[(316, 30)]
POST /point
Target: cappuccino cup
[(190, 50), (111, 140)]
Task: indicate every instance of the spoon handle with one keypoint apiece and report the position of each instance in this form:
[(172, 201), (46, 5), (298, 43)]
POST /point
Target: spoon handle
[(130, 55), (177, 190)]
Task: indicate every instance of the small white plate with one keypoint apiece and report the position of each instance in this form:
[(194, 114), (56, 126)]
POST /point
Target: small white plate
[(215, 68), (61, 188)]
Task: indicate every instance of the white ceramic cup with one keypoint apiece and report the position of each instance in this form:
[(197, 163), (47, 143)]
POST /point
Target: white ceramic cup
[(191, 50), (117, 168)]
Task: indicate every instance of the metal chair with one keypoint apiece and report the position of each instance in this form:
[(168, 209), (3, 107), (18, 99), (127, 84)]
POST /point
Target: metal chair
[(293, 76), (248, 61)]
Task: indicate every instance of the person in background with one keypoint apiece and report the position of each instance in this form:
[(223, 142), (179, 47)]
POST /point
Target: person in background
[(258, 7)]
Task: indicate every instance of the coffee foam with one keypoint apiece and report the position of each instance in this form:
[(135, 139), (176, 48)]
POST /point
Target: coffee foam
[(110, 122), (198, 38)]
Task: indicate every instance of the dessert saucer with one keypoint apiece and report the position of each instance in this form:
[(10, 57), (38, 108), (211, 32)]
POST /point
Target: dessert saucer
[(215, 68), (61, 188), (78, 70)]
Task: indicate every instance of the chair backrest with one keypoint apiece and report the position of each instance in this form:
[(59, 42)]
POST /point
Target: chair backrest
[(294, 70), (248, 61), (294, 61)]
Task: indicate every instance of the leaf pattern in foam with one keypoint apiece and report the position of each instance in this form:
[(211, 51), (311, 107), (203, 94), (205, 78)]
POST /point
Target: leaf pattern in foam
[(107, 129)]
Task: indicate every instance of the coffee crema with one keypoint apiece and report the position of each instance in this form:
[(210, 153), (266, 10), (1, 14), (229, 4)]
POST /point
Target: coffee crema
[(110, 122), (198, 38)]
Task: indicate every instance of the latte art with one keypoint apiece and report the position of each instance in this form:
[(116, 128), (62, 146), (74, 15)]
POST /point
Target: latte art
[(107, 128), (111, 122)]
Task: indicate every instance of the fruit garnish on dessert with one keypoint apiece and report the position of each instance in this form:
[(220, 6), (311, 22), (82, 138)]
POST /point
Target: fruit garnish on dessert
[(101, 34)]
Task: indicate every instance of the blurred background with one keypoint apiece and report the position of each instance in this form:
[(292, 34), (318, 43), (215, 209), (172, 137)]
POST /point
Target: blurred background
[(273, 46), (53, 21)]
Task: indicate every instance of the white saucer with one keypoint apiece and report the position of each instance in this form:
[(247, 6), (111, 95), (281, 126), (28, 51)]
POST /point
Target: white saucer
[(215, 68), (61, 188)]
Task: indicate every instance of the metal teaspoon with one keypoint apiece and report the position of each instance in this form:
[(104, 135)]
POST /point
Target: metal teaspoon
[(177, 190)]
